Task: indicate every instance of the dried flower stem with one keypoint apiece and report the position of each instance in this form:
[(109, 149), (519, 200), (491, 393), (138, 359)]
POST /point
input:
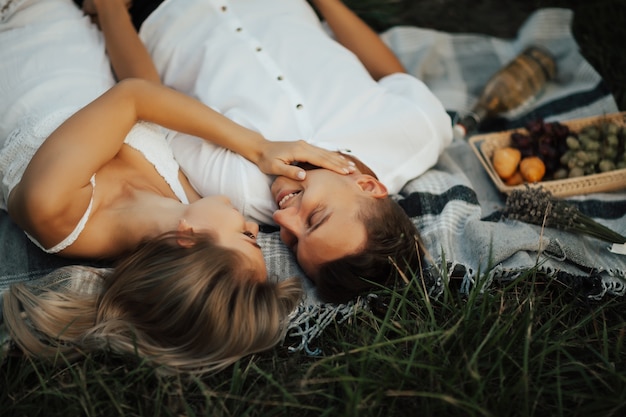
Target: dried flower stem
[(538, 206)]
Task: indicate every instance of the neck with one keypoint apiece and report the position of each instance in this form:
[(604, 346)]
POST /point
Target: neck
[(148, 216)]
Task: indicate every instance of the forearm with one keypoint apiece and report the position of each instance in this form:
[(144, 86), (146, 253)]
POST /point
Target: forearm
[(353, 33), (179, 112), (182, 113), (76, 150), (129, 56)]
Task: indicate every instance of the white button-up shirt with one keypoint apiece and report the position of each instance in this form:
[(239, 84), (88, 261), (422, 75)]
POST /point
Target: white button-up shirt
[(271, 66)]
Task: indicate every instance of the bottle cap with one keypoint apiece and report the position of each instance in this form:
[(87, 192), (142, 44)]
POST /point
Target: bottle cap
[(458, 132), (464, 124)]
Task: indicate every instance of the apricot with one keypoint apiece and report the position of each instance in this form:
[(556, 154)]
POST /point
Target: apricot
[(515, 179), (505, 161), (532, 168)]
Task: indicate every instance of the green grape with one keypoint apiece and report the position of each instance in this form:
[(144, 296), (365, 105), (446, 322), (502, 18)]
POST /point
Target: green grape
[(576, 172), (561, 173), (572, 143), (593, 157), (612, 140), (567, 155), (606, 165), (592, 145), (592, 132), (609, 152), (582, 157)]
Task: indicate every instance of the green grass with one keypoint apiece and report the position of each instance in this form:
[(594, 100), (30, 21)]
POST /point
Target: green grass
[(531, 348)]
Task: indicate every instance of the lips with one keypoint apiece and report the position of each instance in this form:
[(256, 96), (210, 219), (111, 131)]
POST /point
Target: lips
[(284, 197)]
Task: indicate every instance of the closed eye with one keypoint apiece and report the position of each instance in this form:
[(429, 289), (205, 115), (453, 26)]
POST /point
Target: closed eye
[(312, 217), (251, 238), (317, 218)]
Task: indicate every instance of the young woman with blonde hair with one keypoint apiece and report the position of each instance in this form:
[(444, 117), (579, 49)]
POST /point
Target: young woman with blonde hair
[(186, 309), (87, 173)]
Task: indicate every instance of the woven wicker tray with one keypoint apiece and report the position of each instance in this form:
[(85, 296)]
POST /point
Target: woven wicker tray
[(485, 145)]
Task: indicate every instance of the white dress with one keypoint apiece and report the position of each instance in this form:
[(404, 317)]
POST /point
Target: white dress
[(270, 66), (52, 63)]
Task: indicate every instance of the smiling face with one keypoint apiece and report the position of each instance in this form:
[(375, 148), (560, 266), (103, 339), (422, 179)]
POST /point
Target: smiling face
[(217, 215), (319, 217)]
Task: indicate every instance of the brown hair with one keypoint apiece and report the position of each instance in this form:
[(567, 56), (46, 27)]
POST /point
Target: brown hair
[(392, 246), (191, 309)]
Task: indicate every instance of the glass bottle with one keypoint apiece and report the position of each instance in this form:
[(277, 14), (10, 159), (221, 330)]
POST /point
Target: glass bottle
[(520, 80)]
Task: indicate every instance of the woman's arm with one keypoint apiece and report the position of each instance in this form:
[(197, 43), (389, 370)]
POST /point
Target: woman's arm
[(56, 180), (129, 56), (357, 36)]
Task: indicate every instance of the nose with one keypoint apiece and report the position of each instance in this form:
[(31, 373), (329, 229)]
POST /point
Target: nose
[(289, 223)]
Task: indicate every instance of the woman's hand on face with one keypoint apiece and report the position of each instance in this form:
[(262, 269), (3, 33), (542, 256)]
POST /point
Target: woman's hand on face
[(280, 158)]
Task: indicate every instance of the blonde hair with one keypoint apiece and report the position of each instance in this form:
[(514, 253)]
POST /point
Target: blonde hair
[(194, 309)]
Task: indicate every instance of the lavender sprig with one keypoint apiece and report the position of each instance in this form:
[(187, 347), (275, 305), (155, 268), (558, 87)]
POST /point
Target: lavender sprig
[(537, 206)]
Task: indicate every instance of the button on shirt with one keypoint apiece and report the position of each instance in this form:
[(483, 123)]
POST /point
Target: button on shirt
[(271, 67)]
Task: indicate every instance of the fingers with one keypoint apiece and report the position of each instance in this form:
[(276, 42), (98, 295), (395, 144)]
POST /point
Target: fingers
[(284, 158), (323, 158), (291, 171)]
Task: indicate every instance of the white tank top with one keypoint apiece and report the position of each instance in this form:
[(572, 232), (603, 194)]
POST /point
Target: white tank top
[(23, 142)]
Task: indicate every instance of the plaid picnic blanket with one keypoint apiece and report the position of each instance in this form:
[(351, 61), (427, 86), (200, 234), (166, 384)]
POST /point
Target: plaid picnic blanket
[(455, 205)]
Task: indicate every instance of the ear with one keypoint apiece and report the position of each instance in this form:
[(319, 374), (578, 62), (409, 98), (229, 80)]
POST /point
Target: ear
[(184, 232), (372, 186)]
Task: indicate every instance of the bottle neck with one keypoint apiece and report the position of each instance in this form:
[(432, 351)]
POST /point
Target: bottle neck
[(465, 125)]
